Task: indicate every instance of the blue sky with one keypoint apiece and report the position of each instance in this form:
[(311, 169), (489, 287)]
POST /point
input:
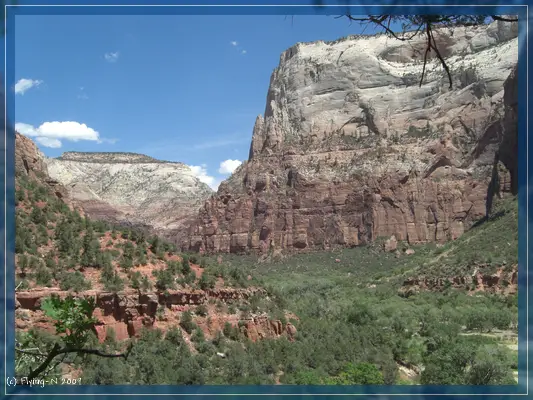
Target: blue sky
[(178, 88)]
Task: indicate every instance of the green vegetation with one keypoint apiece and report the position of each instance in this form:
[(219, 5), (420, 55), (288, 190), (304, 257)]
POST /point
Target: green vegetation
[(349, 331), (352, 326), (54, 245), (72, 321)]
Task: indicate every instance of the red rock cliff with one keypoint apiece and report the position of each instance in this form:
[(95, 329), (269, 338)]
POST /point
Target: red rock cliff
[(351, 148)]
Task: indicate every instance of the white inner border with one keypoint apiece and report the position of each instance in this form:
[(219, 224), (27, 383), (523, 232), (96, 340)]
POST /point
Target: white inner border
[(526, 377)]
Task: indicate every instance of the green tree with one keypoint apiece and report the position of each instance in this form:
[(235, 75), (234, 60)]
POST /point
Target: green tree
[(206, 281), (165, 280), (359, 374), (114, 283), (43, 277), (146, 285), (37, 216), (74, 281), (155, 244), (135, 280), (491, 366), (186, 322), (185, 265)]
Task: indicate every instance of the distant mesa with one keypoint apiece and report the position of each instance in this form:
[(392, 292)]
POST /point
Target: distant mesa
[(111, 157)]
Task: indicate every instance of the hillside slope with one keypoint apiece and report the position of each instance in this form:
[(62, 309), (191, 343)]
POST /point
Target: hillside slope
[(137, 280)]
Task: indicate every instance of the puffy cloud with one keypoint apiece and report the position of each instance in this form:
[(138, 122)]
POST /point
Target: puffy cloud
[(234, 43), (24, 85), (243, 52), (200, 171), (48, 142), (50, 134), (112, 57), (229, 166)]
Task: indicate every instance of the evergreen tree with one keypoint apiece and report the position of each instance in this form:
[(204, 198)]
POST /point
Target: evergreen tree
[(145, 284), (185, 265), (37, 216)]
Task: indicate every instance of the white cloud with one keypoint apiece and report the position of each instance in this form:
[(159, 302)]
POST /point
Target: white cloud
[(243, 52), (111, 57), (26, 84), (200, 171), (229, 166), (49, 142), (234, 43), (50, 134)]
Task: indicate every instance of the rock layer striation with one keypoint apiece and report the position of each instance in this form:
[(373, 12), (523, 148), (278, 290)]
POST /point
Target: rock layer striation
[(130, 188), (350, 148)]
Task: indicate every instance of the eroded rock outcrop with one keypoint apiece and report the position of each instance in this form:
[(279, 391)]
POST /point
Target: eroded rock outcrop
[(126, 313), (350, 148), (502, 281), (29, 161)]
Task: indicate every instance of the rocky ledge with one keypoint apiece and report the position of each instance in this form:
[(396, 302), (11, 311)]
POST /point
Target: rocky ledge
[(111, 157), (501, 281), (126, 313)]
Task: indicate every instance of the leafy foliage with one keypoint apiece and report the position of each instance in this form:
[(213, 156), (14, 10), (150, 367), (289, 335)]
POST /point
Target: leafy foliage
[(72, 316)]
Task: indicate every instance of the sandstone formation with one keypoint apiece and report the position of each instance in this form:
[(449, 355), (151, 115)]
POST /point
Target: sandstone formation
[(508, 149), (502, 282), (129, 188), (350, 148), (128, 312)]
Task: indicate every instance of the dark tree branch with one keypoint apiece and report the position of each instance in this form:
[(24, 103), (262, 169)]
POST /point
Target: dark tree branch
[(497, 18), (41, 368), (97, 352), (380, 22), (427, 22), (428, 49), (439, 56), (56, 351)]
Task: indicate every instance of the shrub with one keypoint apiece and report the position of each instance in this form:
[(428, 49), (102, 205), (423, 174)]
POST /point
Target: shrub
[(165, 280), (185, 265), (114, 283), (186, 322), (74, 281), (43, 277), (201, 310)]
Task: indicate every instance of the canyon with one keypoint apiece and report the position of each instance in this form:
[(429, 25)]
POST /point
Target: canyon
[(350, 148), (364, 188)]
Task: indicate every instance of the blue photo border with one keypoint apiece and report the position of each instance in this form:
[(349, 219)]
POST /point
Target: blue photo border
[(7, 284)]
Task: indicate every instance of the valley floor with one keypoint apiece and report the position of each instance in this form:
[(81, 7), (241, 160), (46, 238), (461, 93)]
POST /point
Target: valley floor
[(355, 321)]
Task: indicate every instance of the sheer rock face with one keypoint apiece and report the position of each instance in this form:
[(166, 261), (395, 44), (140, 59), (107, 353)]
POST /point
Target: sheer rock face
[(130, 188), (508, 151), (30, 161), (350, 148)]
